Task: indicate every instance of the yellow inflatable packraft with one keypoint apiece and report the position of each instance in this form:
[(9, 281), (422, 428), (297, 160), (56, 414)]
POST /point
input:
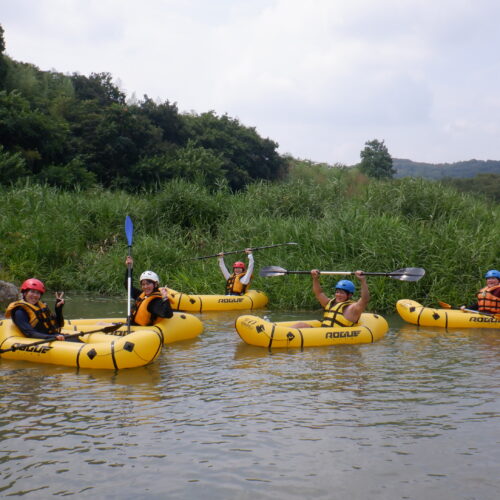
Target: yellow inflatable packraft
[(181, 326), (259, 332), (417, 314), (253, 299), (96, 351)]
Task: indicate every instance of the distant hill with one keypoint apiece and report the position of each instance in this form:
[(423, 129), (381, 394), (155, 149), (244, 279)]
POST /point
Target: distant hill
[(461, 169)]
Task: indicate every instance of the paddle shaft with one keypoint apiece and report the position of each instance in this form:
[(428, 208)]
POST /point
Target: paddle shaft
[(350, 273), (405, 274), (241, 251), (129, 232), (448, 306)]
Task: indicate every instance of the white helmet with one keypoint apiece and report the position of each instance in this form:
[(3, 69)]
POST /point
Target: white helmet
[(149, 275)]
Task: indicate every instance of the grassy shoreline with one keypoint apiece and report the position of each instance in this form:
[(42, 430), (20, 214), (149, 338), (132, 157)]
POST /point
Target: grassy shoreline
[(341, 220)]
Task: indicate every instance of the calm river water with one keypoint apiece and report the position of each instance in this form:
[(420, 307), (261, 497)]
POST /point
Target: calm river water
[(414, 416)]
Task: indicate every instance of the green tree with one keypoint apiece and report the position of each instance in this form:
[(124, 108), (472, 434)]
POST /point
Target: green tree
[(3, 62), (112, 140), (99, 87), (246, 155), (70, 176), (166, 117), (39, 137), (376, 161), (12, 166)]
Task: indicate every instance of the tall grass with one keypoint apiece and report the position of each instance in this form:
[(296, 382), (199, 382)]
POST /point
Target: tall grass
[(342, 221)]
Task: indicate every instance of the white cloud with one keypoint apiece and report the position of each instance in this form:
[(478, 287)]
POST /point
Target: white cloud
[(319, 77)]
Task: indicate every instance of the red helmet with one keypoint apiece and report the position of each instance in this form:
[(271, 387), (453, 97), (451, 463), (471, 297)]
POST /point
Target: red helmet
[(239, 264), (33, 284)]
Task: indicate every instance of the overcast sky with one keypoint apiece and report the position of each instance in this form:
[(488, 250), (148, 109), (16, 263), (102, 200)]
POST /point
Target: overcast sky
[(319, 77)]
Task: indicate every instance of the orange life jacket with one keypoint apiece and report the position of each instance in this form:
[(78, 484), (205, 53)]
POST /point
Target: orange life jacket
[(140, 314), (37, 314), (234, 286), (334, 314), (487, 302)]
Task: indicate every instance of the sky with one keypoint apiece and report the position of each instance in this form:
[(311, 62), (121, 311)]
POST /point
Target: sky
[(318, 77)]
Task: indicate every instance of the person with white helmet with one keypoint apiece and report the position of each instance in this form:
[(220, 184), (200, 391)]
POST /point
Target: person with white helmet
[(341, 310), (488, 298), (151, 302), (237, 282), (33, 317)]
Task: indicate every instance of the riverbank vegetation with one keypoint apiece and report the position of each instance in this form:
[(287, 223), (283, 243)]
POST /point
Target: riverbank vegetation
[(342, 220)]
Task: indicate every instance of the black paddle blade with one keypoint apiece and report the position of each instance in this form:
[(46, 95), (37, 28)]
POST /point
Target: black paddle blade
[(112, 328), (104, 329), (269, 271), (407, 274)]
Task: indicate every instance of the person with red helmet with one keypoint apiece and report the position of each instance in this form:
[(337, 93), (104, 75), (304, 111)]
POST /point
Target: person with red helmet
[(33, 317), (237, 282), (151, 302)]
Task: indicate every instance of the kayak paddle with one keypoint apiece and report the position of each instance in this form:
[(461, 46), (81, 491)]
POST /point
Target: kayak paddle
[(129, 231), (240, 251), (444, 305), (405, 274)]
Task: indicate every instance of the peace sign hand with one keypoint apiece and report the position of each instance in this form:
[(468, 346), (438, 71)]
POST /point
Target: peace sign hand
[(59, 299)]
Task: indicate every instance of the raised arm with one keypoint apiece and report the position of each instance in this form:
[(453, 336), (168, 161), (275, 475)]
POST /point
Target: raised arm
[(354, 311), (317, 290), (248, 275), (222, 266)]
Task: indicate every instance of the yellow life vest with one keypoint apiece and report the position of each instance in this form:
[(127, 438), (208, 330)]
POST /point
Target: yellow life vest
[(234, 286), (487, 302), (334, 314), (140, 314), (38, 313)]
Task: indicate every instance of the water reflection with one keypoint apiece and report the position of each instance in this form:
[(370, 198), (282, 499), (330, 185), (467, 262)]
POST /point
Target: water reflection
[(413, 415)]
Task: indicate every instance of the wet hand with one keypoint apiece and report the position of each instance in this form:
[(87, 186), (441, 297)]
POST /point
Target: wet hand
[(129, 261)]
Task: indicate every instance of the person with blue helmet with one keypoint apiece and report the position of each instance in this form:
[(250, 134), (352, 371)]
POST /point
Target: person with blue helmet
[(341, 310), (488, 298)]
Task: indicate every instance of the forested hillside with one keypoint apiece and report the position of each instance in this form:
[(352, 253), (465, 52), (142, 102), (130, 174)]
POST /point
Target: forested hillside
[(461, 169), (74, 130)]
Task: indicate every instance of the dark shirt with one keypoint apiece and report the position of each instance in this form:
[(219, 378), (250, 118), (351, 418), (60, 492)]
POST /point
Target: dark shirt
[(158, 308), (39, 331)]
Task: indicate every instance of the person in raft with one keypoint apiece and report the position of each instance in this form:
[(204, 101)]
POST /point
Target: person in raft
[(488, 298), (238, 282), (33, 317), (151, 302), (341, 310)]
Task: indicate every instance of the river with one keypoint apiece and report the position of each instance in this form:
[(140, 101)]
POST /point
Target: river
[(413, 416)]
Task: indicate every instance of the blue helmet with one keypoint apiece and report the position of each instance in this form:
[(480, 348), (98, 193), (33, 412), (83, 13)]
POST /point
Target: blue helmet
[(346, 285), (492, 273)]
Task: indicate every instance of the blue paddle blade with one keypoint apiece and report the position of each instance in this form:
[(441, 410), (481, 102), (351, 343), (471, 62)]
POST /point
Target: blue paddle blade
[(129, 230)]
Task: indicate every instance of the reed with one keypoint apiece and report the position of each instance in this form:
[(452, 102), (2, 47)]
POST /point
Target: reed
[(342, 221)]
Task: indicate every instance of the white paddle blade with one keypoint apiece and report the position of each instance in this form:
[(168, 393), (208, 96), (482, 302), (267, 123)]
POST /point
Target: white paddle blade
[(408, 274), (270, 271)]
